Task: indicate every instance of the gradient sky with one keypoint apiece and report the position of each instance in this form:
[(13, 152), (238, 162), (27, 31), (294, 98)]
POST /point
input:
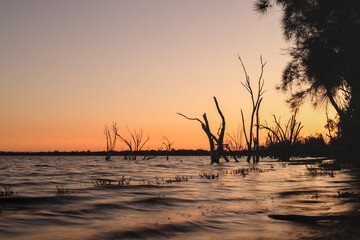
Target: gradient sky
[(68, 67)]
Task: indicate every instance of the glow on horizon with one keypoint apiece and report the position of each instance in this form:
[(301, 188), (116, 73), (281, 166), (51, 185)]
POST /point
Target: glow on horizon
[(67, 68)]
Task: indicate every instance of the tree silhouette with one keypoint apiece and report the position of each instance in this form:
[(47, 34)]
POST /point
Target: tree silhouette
[(168, 144), (284, 136), (110, 141), (216, 143), (256, 101), (135, 143), (325, 58)]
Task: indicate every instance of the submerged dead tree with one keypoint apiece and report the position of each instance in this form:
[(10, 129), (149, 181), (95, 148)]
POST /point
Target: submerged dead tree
[(110, 142), (216, 142), (283, 138), (234, 140), (168, 146), (252, 141), (135, 143), (233, 143)]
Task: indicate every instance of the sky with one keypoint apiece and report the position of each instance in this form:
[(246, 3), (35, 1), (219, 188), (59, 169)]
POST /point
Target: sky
[(69, 67)]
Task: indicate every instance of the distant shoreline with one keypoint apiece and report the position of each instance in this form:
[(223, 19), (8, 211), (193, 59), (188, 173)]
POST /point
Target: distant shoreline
[(181, 152)]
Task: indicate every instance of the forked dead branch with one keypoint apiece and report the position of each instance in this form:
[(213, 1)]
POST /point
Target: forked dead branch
[(252, 141), (216, 142), (135, 143), (110, 142), (168, 145)]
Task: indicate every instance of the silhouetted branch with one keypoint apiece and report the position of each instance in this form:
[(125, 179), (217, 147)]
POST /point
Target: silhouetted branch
[(255, 111), (110, 141), (286, 137), (213, 140)]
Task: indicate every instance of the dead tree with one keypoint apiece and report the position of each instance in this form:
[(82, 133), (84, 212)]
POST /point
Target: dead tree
[(233, 143), (216, 143), (234, 140), (251, 141), (168, 146), (127, 142), (110, 142), (139, 143), (135, 143), (285, 137)]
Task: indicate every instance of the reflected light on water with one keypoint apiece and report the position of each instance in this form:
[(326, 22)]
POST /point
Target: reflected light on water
[(231, 206)]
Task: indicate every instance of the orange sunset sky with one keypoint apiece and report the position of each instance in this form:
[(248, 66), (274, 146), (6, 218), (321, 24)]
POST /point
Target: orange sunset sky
[(68, 67)]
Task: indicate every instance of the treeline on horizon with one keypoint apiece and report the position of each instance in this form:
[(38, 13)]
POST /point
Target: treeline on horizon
[(312, 146)]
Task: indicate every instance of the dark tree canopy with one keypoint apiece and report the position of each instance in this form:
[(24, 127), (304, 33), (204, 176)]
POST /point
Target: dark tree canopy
[(325, 57)]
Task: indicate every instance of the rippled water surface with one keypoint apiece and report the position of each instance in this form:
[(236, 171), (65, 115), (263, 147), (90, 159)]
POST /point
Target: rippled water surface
[(71, 198)]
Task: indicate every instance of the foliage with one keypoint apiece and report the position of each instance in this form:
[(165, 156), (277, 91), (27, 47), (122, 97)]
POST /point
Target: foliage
[(324, 58)]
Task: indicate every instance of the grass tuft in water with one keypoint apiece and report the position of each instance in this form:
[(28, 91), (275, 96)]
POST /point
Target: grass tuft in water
[(177, 179), (62, 191), (6, 191), (210, 176), (124, 182), (320, 170), (162, 181), (246, 171), (346, 195), (102, 182)]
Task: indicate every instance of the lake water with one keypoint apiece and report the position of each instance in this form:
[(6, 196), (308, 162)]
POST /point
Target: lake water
[(65, 198)]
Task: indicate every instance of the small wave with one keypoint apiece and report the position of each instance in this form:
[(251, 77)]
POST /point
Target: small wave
[(152, 232), (42, 165), (168, 201), (93, 209), (163, 166), (297, 193), (31, 202)]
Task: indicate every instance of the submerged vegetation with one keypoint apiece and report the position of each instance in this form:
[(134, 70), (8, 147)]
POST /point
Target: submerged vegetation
[(62, 191), (6, 191), (321, 169), (209, 175), (127, 181), (246, 171)]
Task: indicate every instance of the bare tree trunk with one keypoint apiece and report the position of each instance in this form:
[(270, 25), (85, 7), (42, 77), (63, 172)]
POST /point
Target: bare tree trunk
[(256, 105), (216, 143), (257, 148), (168, 146)]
